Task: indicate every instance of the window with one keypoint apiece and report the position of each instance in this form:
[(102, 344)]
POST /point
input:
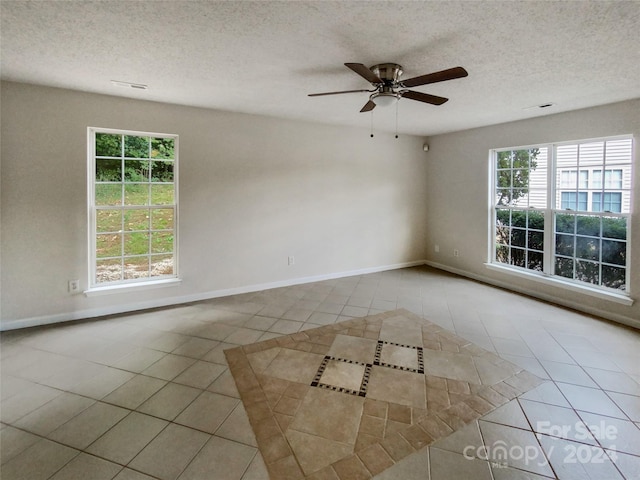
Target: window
[(520, 200), (568, 178), (573, 200), (593, 193), (607, 202), (133, 206), (555, 214), (612, 179)]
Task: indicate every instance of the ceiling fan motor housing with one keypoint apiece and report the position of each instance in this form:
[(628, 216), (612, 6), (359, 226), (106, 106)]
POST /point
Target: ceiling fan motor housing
[(389, 73), (387, 93)]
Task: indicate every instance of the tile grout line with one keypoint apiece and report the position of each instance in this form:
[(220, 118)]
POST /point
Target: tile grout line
[(536, 435)]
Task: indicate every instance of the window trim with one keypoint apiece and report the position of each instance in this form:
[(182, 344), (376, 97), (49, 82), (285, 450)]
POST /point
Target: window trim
[(546, 277), (132, 286), (556, 281), (137, 283)]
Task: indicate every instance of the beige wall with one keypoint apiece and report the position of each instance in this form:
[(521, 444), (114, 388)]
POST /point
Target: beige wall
[(253, 190), (458, 197)]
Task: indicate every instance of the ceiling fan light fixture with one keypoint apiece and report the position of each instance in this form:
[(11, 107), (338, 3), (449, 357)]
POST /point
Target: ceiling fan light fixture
[(383, 99)]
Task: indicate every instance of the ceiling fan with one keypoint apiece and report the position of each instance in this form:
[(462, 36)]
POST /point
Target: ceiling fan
[(385, 78)]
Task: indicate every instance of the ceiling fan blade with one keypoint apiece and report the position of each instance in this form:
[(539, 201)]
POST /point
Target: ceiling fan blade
[(441, 76), (336, 93), (424, 97), (368, 106), (364, 72)]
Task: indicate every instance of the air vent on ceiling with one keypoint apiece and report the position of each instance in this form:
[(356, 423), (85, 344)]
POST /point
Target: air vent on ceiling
[(137, 86), (544, 105)]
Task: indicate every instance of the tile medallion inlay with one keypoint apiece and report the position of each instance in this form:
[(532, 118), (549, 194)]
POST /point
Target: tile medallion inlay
[(324, 401)]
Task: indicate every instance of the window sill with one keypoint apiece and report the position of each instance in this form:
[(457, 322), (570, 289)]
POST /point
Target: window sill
[(612, 296), (132, 287)]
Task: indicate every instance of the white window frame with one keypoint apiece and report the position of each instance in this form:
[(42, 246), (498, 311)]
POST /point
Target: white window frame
[(135, 283), (553, 186)]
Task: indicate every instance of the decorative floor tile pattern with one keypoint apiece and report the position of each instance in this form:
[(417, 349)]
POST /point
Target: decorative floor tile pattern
[(351, 399)]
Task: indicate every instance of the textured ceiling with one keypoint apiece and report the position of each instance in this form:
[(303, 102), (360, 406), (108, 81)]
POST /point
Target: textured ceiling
[(265, 57)]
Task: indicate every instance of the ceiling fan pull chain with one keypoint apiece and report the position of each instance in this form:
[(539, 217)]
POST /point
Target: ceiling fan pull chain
[(371, 123), (397, 106)]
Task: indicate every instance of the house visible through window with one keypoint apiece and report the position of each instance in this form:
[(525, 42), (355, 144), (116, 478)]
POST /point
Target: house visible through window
[(554, 213), (133, 206), (591, 196)]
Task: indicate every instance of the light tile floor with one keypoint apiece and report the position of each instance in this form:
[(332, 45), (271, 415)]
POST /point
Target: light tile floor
[(149, 396)]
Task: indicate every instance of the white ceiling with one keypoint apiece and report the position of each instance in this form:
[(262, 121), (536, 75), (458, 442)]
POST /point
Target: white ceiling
[(265, 57)]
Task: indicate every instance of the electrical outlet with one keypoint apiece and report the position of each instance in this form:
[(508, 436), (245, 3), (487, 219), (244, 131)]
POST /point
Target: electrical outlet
[(74, 286), (456, 252), (291, 260), (437, 248)]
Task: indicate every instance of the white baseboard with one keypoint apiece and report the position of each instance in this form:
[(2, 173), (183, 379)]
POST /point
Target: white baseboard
[(177, 300), (623, 319)]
